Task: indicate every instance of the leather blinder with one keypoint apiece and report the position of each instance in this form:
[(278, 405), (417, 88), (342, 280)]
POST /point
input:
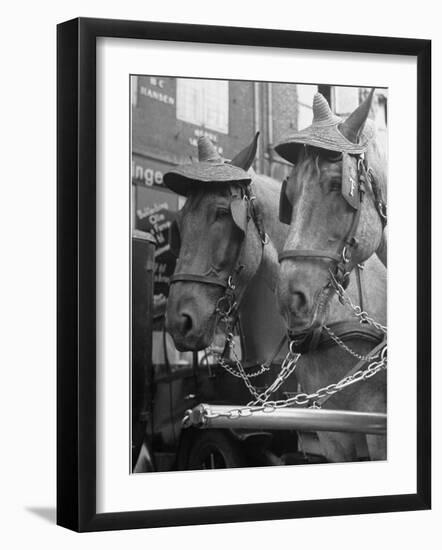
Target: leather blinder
[(350, 183), (174, 239), (238, 208), (285, 207)]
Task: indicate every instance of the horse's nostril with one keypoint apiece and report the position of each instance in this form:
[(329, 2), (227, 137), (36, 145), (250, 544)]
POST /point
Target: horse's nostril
[(186, 323)]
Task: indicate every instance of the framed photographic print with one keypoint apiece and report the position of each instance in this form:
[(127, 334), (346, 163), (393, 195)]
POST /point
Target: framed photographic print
[(224, 296)]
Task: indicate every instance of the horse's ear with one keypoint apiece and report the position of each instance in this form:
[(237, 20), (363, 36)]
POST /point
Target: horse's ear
[(245, 158), (238, 208), (354, 124), (285, 207), (174, 239)]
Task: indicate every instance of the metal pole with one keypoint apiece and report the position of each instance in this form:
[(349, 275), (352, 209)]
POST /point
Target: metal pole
[(287, 419)]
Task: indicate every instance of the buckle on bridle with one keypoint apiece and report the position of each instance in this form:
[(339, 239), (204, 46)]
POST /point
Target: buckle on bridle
[(225, 306), (346, 255)]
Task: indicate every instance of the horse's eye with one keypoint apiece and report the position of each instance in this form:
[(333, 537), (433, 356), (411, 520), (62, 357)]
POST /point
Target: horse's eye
[(332, 156), (221, 212)]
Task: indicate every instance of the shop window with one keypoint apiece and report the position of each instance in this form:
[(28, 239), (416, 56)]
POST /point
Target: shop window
[(204, 103)]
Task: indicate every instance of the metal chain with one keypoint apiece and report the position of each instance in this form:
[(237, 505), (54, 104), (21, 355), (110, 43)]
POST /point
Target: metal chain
[(344, 346), (305, 398), (287, 368), (262, 402), (362, 315)]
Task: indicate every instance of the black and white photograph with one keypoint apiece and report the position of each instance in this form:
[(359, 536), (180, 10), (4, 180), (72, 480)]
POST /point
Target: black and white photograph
[(258, 273), (220, 275), (232, 346)]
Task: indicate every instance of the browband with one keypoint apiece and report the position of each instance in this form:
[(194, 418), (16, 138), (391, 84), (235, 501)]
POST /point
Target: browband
[(194, 278), (299, 253)]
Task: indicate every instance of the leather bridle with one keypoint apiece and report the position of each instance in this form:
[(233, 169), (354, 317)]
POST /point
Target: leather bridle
[(340, 261), (228, 303)]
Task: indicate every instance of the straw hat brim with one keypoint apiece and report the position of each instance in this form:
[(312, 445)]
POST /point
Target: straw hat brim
[(323, 137), (183, 179)]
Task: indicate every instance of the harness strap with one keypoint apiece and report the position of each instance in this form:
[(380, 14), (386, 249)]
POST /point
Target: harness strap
[(345, 330), (320, 402), (195, 278), (349, 330), (359, 272), (379, 202), (256, 214)]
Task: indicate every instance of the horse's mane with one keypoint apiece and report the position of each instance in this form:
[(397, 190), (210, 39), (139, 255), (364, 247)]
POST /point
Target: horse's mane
[(377, 160), (377, 157)]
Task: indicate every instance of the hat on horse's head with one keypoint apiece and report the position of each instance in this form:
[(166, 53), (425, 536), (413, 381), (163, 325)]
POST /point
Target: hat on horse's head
[(211, 168), (329, 131)]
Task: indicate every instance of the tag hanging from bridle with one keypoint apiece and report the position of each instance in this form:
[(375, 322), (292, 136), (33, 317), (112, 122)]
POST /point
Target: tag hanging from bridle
[(350, 180)]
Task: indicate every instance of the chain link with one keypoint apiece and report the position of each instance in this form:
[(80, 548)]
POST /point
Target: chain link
[(288, 366), (344, 346), (304, 398), (345, 300)]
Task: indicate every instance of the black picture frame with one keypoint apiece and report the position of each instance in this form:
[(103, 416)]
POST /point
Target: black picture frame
[(76, 273)]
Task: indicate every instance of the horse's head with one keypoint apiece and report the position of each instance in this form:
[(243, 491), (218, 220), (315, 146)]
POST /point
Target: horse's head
[(331, 209), (216, 242)]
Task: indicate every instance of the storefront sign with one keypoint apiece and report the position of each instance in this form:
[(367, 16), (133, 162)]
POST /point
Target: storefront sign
[(155, 211), (157, 95), (148, 172)]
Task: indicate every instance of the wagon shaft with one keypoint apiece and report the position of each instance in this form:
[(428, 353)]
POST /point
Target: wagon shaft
[(219, 416)]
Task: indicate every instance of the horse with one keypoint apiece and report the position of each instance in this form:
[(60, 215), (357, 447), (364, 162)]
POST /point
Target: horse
[(223, 227), (334, 201), (213, 241)]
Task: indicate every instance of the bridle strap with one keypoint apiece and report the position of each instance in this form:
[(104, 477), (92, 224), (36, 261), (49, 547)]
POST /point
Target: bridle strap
[(195, 278), (349, 243), (300, 253), (227, 284), (379, 202)]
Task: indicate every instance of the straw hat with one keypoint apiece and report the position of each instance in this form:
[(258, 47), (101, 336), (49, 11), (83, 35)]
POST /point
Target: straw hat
[(211, 168), (324, 133)]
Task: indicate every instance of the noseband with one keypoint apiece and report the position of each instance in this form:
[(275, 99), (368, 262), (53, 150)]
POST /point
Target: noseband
[(195, 278)]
